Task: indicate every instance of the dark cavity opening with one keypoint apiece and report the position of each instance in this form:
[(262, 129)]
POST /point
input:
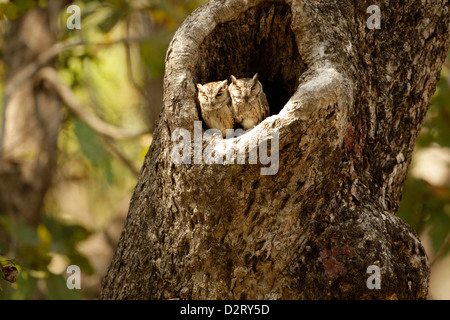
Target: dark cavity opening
[(259, 41)]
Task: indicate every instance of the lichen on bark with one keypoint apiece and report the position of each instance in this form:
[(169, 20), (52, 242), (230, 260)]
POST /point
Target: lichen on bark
[(347, 108)]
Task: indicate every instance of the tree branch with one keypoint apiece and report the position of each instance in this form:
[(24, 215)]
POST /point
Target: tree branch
[(129, 164), (129, 62), (29, 70), (76, 107)]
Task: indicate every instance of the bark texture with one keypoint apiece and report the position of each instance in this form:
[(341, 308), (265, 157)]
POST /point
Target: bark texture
[(348, 103)]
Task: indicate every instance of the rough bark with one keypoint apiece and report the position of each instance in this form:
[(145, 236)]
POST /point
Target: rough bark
[(348, 103)]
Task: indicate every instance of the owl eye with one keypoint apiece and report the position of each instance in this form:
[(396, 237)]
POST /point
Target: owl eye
[(253, 88), (219, 94)]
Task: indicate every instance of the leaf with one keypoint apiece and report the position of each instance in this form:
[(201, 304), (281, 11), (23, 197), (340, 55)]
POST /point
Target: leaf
[(436, 128), (423, 206), (19, 8), (153, 53), (42, 3), (9, 11), (412, 208), (24, 288), (440, 227), (90, 144), (65, 238), (93, 149), (20, 230), (57, 289), (16, 262), (110, 21)]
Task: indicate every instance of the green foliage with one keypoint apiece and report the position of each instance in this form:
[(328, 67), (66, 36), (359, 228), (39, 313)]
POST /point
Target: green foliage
[(93, 148), (17, 8), (153, 52), (110, 21), (34, 247), (57, 289), (426, 207), (64, 240), (88, 168), (436, 128), (13, 10)]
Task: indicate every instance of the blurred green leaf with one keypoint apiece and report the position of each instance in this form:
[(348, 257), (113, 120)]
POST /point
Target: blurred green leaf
[(90, 143), (65, 238), (437, 125), (110, 21), (93, 149), (424, 206), (64, 235), (440, 228), (25, 288), (42, 3), (9, 10), (15, 262), (414, 202), (13, 10), (24, 5), (85, 163), (153, 52), (57, 289)]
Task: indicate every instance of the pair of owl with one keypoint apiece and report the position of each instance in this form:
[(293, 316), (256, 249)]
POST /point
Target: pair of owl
[(242, 102)]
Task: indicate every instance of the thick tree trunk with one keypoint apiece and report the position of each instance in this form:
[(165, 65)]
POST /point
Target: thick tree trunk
[(347, 103)]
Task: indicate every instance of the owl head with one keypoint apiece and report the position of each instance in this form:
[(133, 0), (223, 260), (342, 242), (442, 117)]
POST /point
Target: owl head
[(245, 89), (213, 95)]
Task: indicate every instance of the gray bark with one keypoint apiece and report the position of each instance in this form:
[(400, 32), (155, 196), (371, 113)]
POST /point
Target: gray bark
[(348, 103)]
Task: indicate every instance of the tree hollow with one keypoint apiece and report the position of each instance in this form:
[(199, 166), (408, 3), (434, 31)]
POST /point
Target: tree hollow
[(260, 40)]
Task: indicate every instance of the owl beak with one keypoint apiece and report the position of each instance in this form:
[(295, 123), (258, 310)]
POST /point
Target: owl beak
[(212, 103)]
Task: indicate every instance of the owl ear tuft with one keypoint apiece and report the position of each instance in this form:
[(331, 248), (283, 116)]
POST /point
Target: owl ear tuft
[(255, 77), (233, 79), (224, 83), (199, 86)]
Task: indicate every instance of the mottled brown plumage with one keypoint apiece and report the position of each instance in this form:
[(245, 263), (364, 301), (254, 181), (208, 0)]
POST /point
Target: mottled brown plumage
[(249, 102), (215, 104)]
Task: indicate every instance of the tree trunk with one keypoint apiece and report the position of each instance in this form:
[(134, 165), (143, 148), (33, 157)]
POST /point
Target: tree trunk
[(31, 117), (347, 103)]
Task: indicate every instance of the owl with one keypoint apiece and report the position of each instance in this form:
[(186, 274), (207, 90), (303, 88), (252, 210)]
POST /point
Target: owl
[(215, 104), (249, 102)]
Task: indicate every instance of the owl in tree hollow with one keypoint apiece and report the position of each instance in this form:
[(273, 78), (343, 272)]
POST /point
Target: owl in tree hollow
[(215, 104), (249, 102)]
